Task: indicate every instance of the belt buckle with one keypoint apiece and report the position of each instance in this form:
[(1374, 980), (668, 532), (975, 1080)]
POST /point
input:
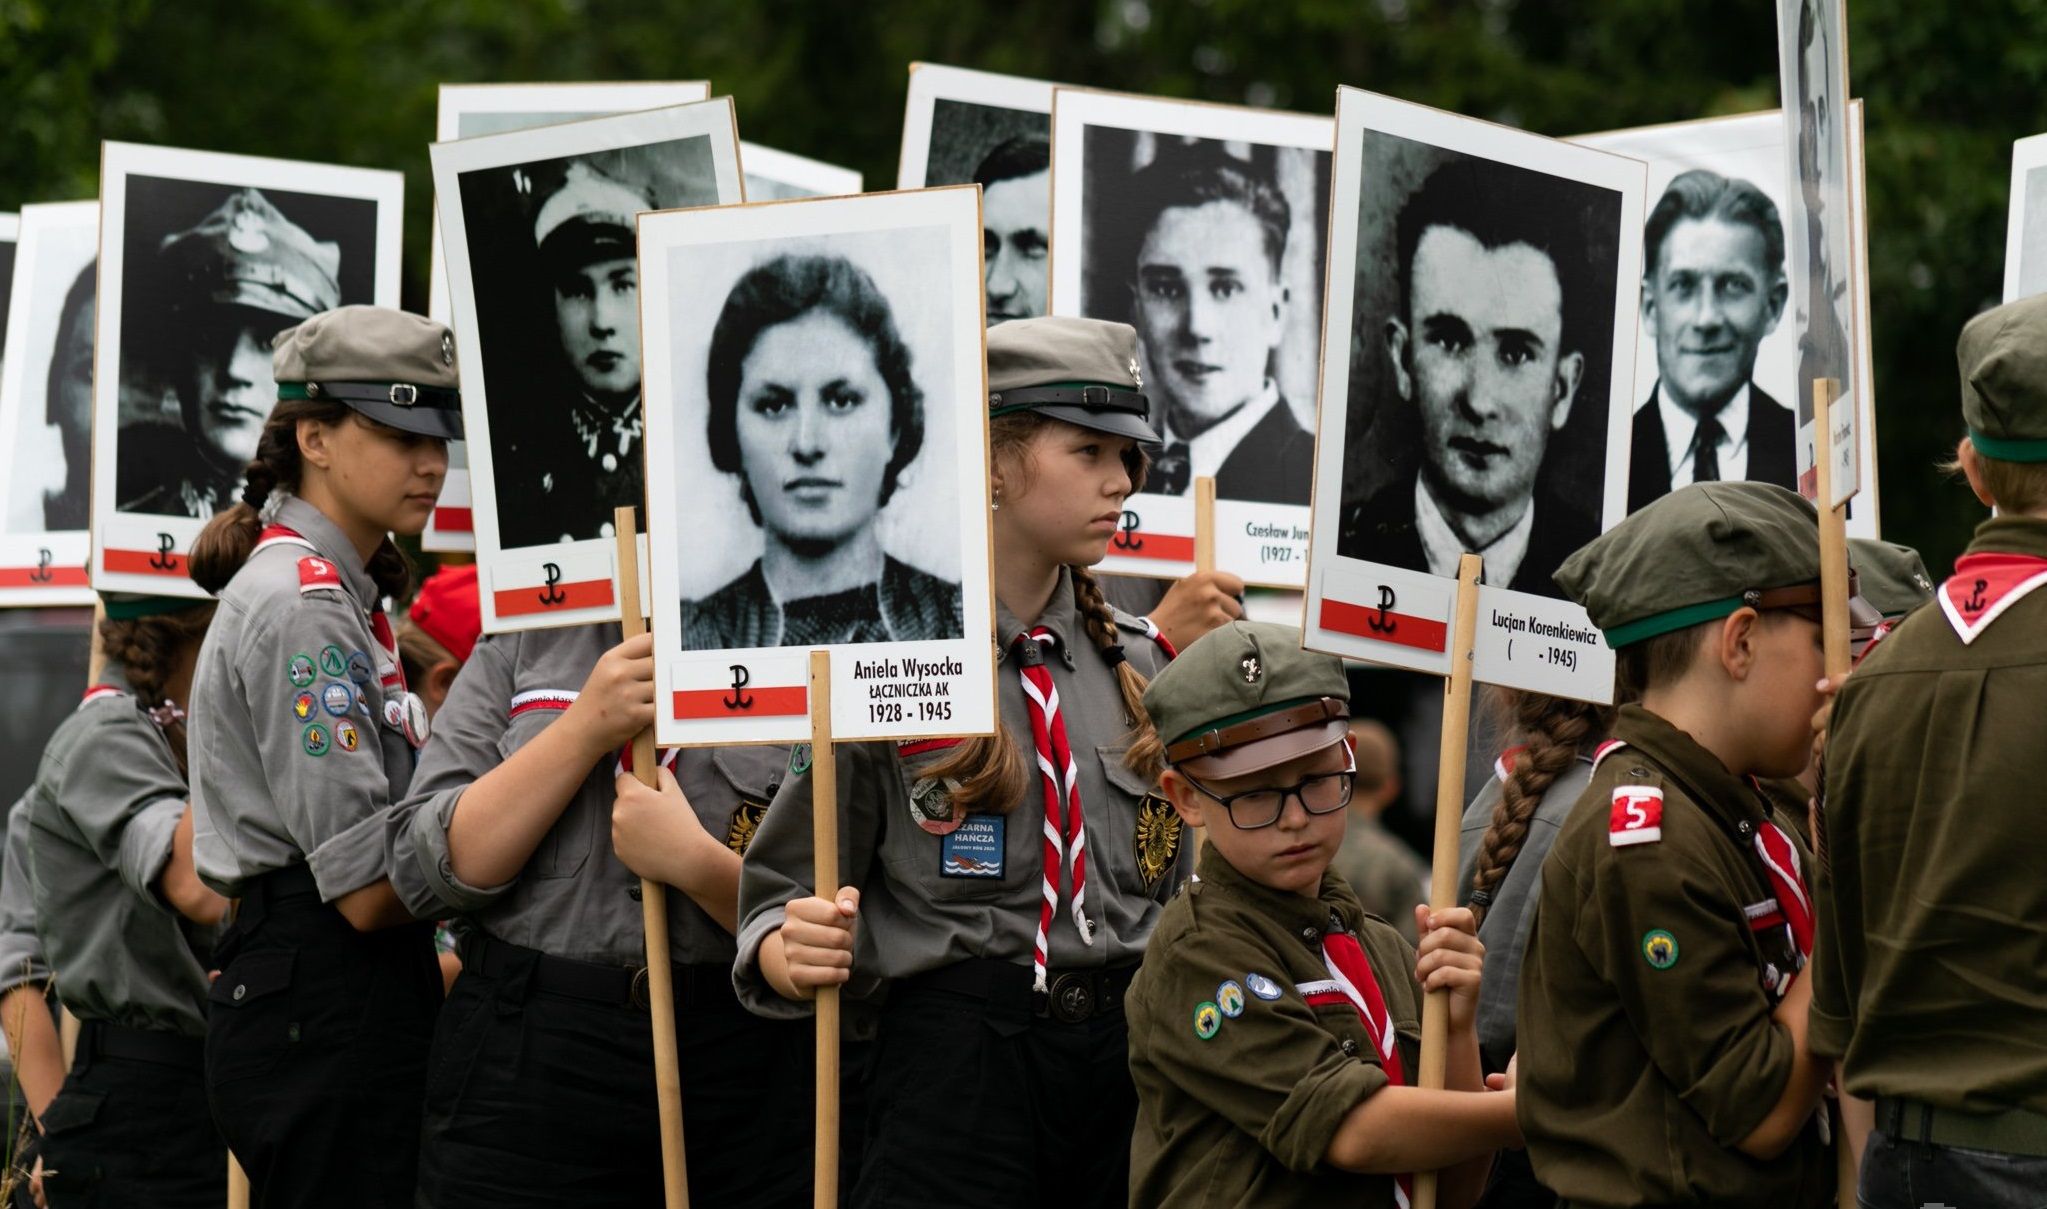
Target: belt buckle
[(637, 995), (1072, 999)]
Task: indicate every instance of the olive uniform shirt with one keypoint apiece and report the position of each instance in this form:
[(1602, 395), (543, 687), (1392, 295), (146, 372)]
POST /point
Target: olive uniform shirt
[(914, 916), (1647, 1045), (21, 951), (293, 755), (1244, 1116), (1931, 958), (574, 898), (106, 801)]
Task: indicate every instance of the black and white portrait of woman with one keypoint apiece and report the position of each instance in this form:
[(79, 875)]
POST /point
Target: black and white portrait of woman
[(815, 410)]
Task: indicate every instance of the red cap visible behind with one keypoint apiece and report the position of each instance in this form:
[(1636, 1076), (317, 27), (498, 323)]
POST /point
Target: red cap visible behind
[(447, 609)]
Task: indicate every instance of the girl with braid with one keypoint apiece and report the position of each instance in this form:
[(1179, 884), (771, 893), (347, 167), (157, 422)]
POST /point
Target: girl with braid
[(303, 736), (1508, 829), (1002, 888), (126, 924)]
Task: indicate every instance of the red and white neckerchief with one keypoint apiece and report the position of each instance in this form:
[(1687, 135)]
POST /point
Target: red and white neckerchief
[(102, 690), (1152, 631), (1984, 586), (1503, 767), (1787, 882), (664, 757), (1352, 974), (319, 573), (1605, 749), (1065, 835)]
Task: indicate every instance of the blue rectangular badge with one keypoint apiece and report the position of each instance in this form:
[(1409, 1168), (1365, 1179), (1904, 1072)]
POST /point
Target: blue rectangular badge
[(974, 848)]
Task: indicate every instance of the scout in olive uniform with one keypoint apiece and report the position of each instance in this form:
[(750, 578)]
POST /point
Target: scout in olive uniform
[(1276, 1026), (235, 279), (1928, 976), (127, 926), (303, 737), (542, 1086), (27, 1009), (1004, 888), (1662, 1024)]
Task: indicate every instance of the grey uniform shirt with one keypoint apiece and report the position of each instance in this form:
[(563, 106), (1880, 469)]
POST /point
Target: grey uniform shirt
[(913, 916), (21, 951), (293, 755), (574, 898), (105, 802), (1504, 930)]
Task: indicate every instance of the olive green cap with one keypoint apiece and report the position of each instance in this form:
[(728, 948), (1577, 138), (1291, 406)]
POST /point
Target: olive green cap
[(1893, 578), (2003, 359), (1082, 371), (395, 367), (1695, 555), (1246, 697), (247, 253)]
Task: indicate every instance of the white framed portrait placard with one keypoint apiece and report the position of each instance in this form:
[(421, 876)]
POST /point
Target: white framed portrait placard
[(1203, 226), (773, 175), (1477, 385), (204, 258), (538, 227), (471, 110), (817, 450), (46, 407), (1717, 207)]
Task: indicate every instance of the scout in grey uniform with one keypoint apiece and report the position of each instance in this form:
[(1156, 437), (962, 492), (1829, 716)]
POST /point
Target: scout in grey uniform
[(27, 1010), (542, 1085), (302, 739), (999, 1074), (129, 931)]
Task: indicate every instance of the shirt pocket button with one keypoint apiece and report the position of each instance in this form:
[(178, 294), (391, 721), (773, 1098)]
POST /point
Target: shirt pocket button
[(1350, 1048)]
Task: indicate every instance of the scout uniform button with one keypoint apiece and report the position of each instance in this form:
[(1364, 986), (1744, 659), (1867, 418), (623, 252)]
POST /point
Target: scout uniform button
[(241, 990)]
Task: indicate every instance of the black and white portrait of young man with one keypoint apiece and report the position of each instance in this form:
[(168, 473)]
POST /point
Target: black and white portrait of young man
[(1478, 407)]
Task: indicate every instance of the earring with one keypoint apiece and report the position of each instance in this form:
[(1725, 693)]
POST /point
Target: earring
[(995, 503)]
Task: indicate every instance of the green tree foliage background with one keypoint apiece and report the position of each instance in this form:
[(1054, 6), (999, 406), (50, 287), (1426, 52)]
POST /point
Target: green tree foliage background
[(1947, 87)]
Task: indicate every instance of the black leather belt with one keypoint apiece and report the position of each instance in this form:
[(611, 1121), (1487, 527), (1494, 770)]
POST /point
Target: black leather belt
[(1071, 996), (105, 1039), (697, 985)]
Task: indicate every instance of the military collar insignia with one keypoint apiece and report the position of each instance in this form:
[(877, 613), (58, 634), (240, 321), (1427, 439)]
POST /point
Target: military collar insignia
[(1984, 586)]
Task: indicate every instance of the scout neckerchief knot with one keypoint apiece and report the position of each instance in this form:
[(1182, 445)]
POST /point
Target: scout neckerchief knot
[(1065, 838), (1353, 973)]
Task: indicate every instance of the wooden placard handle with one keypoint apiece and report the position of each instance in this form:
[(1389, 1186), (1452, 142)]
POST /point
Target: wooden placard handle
[(1456, 741), (824, 814), (1204, 523), (654, 905)]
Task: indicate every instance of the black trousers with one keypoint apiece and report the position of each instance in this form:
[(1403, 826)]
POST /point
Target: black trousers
[(130, 1126), (977, 1100), (316, 1047), (541, 1091)]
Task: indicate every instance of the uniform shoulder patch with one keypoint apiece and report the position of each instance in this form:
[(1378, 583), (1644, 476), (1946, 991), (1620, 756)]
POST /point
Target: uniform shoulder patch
[(317, 574), (1263, 987), (1659, 949), (1207, 1019), (1637, 815), (1155, 840), (745, 821)]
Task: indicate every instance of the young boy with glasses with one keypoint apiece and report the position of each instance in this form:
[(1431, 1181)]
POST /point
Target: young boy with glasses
[(1274, 1025)]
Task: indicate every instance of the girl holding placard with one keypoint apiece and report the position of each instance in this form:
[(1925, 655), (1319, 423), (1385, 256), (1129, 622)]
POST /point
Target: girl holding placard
[(541, 1088), (1003, 887)]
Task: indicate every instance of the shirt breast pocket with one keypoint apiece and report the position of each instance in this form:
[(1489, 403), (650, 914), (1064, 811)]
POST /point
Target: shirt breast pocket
[(1342, 1022), (942, 855), (1135, 835), (566, 847)]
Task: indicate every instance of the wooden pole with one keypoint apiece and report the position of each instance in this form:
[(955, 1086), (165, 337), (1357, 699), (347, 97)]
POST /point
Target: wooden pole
[(237, 1184), (824, 816), (1204, 523), (1836, 661), (1456, 740), (654, 906)]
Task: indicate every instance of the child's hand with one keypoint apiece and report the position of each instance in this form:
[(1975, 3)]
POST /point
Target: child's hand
[(655, 832), (817, 940), (1504, 1081), (1450, 958)]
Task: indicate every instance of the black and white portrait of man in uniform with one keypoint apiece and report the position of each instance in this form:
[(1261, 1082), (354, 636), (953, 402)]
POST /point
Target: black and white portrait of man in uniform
[(1713, 288), (204, 300), (1493, 336)]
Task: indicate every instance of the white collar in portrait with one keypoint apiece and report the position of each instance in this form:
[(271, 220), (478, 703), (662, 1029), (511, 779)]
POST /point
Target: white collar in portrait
[(1442, 545), (1207, 452)]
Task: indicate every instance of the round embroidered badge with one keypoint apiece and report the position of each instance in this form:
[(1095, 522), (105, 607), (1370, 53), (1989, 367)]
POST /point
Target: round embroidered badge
[(1263, 987), (300, 670), (1230, 998), (1660, 949), (1207, 1019), (316, 740)]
